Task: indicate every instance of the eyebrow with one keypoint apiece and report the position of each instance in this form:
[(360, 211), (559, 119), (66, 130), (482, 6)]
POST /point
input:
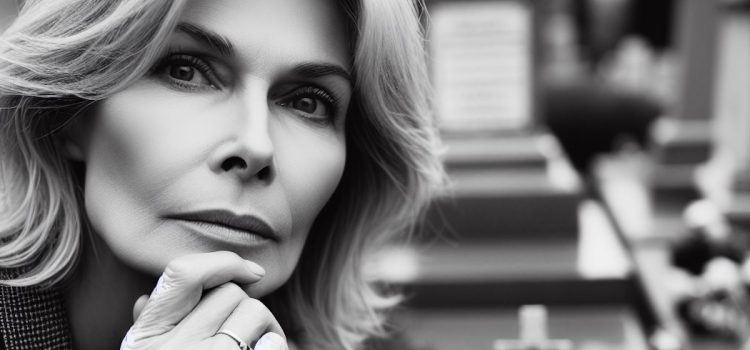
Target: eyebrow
[(316, 70), (224, 46), (213, 40)]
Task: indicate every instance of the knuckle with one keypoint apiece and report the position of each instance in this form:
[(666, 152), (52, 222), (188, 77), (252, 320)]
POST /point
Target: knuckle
[(255, 306), (231, 290), (179, 268), (256, 315)]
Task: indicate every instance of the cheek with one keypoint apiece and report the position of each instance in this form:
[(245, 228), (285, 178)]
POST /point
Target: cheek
[(145, 142), (309, 168), (310, 164), (136, 150)]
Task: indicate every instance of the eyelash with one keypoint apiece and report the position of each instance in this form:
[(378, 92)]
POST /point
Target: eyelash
[(173, 58), (329, 100)]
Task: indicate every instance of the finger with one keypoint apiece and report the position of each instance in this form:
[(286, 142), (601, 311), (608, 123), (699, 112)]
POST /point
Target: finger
[(250, 320), (211, 312), (138, 306), (181, 285), (271, 341)]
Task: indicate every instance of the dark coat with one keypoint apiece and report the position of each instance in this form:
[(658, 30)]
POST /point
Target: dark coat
[(32, 318)]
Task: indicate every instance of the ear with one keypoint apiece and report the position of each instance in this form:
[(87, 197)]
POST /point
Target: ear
[(74, 137), (72, 150)]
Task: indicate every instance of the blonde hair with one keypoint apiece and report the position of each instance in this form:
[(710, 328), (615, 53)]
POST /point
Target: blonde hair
[(59, 56)]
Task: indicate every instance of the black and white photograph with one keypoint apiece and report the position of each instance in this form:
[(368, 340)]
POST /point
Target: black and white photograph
[(375, 174)]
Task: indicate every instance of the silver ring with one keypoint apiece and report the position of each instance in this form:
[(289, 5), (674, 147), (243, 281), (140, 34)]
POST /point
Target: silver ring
[(240, 342)]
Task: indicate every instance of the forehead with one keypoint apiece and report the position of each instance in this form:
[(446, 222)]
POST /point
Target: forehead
[(285, 30)]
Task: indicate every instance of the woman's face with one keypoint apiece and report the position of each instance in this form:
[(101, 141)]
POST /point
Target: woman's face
[(234, 141)]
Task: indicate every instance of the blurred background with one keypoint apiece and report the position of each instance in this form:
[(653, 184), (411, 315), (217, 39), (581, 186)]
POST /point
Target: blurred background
[(599, 153)]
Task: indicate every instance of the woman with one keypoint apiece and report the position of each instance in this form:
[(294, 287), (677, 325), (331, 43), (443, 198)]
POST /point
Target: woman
[(247, 154)]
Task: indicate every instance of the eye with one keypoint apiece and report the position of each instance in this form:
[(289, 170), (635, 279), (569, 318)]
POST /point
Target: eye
[(185, 73), (309, 105), (188, 72), (312, 103)]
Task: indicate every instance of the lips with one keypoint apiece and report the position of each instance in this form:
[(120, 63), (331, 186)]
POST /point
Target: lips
[(245, 223)]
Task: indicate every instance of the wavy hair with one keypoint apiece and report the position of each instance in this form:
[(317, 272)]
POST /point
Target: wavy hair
[(60, 56)]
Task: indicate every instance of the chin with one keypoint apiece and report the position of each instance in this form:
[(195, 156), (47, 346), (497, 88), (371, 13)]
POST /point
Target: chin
[(261, 289)]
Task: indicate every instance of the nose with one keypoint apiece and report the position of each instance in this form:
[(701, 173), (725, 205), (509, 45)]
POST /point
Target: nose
[(249, 153)]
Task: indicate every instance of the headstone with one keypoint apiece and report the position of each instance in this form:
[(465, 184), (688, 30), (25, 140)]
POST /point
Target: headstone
[(683, 136), (506, 171), (727, 177), (482, 65), (533, 332)]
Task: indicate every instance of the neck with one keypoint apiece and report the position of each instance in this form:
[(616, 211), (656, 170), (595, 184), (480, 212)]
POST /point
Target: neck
[(101, 295)]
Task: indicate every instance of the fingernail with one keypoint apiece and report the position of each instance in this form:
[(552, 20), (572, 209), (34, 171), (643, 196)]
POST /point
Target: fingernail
[(270, 341), (255, 268)]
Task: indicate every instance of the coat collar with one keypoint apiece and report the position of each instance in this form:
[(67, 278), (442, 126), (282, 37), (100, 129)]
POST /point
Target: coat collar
[(32, 317)]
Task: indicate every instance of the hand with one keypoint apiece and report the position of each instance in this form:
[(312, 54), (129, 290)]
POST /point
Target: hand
[(177, 314)]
